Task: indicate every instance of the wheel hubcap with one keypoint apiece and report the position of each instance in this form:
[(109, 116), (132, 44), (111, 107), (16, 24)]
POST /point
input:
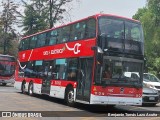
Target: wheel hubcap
[(70, 97), (31, 89)]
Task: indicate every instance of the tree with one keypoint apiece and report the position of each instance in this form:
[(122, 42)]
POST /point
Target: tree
[(31, 20), (154, 6), (150, 19), (56, 10), (8, 18), (42, 14), (1, 40), (34, 18)]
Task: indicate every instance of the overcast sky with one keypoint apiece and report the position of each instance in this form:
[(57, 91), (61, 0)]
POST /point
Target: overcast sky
[(85, 8), (126, 8)]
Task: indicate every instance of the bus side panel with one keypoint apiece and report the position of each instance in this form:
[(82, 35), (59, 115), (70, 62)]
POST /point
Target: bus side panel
[(57, 91), (58, 88), (18, 78), (37, 88), (70, 49), (37, 85), (18, 85)]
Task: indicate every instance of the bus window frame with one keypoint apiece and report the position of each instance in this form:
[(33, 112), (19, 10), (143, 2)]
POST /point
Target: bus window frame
[(47, 39), (24, 40), (36, 46), (72, 27), (95, 32)]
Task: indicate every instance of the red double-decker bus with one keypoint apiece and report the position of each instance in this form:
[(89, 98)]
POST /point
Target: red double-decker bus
[(96, 60), (7, 69)]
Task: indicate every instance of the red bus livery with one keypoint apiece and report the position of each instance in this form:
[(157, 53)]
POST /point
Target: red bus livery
[(91, 61), (7, 69)]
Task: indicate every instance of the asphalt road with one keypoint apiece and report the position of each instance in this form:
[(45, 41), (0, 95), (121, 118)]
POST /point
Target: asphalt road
[(11, 100)]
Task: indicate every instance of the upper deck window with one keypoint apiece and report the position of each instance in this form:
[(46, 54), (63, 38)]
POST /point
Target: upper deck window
[(33, 42), (24, 44), (53, 37), (78, 31), (133, 32), (111, 28), (91, 28), (120, 35), (83, 30), (41, 40), (63, 34)]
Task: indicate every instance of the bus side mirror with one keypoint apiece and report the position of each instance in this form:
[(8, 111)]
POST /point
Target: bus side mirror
[(98, 49), (99, 54)]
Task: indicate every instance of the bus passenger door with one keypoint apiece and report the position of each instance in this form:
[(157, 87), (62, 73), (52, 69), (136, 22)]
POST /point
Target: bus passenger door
[(84, 79), (47, 76)]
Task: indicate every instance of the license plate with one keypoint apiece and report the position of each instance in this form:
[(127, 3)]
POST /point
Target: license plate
[(151, 98)]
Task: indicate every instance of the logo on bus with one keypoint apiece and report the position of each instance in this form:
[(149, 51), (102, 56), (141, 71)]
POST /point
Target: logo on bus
[(54, 51), (57, 51), (23, 56), (75, 49), (121, 90)]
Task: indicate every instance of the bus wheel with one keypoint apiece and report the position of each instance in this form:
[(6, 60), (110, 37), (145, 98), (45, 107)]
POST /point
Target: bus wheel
[(4, 84), (30, 89), (23, 88), (69, 98)]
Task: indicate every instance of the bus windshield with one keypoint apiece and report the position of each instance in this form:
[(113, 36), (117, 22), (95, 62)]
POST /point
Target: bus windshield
[(6, 68), (120, 35), (121, 71)]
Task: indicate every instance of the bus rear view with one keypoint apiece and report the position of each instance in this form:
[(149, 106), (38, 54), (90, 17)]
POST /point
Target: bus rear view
[(119, 66)]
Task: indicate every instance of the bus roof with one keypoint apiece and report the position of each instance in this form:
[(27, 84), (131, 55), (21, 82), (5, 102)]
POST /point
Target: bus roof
[(93, 16), (117, 17)]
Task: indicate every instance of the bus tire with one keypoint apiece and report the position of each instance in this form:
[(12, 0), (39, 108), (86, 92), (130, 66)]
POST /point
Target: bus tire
[(69, 97), (23, 88), (30, 89)]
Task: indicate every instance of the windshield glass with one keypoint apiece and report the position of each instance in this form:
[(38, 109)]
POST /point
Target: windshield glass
[(150, 78), (126, 72), (117, 34), (7, 68)]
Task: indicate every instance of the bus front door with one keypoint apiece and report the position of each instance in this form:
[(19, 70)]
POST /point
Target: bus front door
[(47, 76), (84, 79)]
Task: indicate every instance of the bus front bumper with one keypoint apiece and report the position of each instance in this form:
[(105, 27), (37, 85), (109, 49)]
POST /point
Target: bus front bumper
[(7, 81), (113, 100)]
